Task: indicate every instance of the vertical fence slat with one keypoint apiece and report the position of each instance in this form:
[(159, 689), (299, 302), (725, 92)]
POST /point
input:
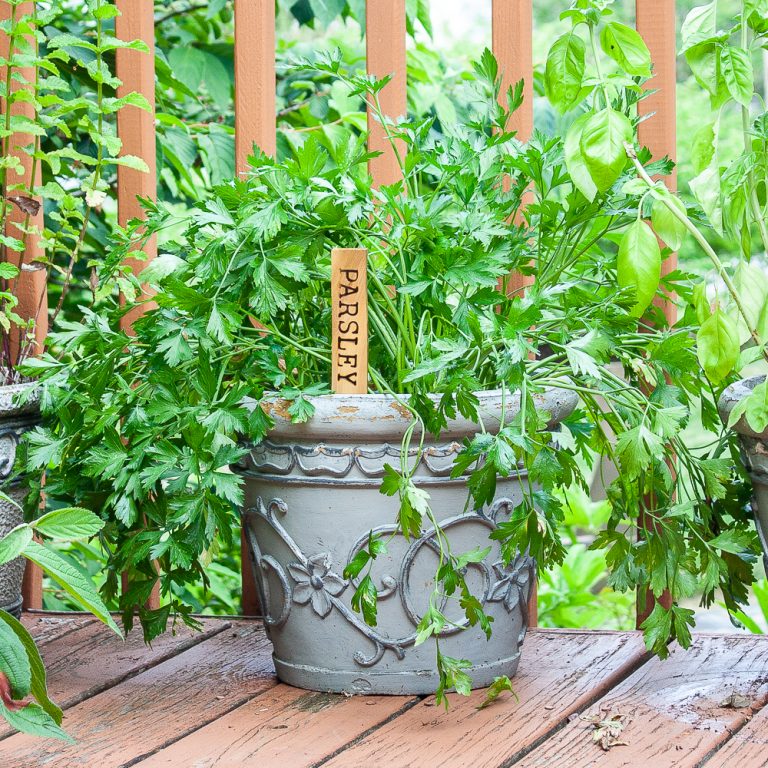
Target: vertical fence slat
[(255, 84), (255, 97), (385, 53), (512, 44), (656, 22), (30, 287), (136, 129)]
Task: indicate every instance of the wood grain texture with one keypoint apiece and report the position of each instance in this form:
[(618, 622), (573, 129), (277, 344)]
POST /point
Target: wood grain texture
[(255, 84), (349, 322), (45, 628), (32, 587), (155, 708), (560, 673), (385, 52), (89, 658), (217, 705), (674, 708), (136, 128), (747, 748), (30, 287), (284, 727), (512, 44), (255, 123), (657, 24)]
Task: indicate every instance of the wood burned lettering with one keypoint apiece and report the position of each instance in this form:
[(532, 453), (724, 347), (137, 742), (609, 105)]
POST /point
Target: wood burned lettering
[(349, 291), (348, 338)]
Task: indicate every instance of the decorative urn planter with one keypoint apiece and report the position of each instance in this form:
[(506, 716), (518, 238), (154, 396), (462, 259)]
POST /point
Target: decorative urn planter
[(312, 496), (14, 421), (754, 450)]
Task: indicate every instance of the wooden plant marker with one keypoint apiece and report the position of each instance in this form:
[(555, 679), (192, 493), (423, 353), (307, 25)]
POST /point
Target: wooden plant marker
[(349, 332)]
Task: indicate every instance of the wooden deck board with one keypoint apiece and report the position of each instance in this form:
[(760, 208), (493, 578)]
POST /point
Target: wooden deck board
[(166, 702), (284, 727), (747, 748), (211, 700), (673, 708), (92, 659), (551, 684), (45, 628)]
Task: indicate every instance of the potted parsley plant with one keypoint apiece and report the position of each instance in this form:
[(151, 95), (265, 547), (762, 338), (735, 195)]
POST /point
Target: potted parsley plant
[(396, 529)]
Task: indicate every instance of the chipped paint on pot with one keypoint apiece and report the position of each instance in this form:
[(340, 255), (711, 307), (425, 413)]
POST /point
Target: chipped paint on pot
[(754, 451), (312, 496), (14, 421)]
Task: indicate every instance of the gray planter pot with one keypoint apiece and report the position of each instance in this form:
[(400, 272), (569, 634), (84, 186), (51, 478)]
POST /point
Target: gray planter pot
[(312, 496), (14, 421), (754, 450)]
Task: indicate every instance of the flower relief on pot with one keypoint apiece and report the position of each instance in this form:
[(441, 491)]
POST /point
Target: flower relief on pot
[(311, 581), (316, 583)]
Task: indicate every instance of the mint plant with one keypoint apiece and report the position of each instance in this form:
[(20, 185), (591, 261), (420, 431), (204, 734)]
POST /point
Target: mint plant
[(59, 100), (22, 673), (65, 104)]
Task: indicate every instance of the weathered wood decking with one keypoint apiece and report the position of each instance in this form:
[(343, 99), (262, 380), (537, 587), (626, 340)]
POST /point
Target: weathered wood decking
[(210, 700)]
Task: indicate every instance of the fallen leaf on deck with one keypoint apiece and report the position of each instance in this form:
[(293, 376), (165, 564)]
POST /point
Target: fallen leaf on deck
[(736, 701), (608, 729)]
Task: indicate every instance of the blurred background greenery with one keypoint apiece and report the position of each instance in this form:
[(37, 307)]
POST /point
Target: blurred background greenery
[(195, 150)]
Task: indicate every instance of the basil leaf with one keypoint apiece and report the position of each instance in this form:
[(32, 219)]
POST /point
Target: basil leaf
[(602, 146), (574, 160), (666, 225), (736, 67), (717, 345), (625, 46), (564, 72), (639, 264)]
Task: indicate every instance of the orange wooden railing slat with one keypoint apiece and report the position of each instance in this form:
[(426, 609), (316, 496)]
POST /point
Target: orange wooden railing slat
[(136, 129), (255, 123), (385, 55), (255, 86), (656, 23), (135, 126), (512, 44)]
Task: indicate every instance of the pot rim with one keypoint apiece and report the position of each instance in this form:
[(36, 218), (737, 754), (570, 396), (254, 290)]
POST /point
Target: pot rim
[(385, 416), (734, 394), (10, 408)]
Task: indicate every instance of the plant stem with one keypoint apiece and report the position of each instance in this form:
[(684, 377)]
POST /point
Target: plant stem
[(757, 214), (598, 68)]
